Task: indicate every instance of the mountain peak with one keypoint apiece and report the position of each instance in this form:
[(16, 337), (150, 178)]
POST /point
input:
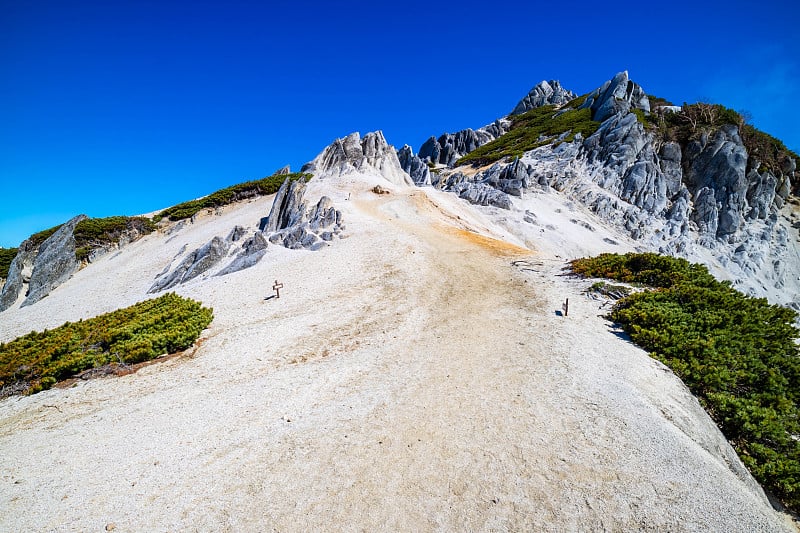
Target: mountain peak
[(544, 93), (370, 154)]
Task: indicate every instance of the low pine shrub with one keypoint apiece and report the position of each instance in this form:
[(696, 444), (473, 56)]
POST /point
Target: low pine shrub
[(144, 331), (735, 352), (228, 195)]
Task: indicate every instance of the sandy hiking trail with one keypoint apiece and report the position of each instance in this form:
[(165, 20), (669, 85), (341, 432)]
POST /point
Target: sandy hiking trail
[(413, 377)]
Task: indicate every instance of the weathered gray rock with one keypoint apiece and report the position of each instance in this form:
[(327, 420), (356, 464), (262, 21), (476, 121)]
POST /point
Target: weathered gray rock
[(511, 179), (717, 163), (618, 95), (288, 207), (18, 274), (236, 233), (414, 166), (449, 147), (545, 93), (194, 264), (55, 262), (298, 228), (253, 250), (482, 194), (283, 171), (324, 215), (354, 154)]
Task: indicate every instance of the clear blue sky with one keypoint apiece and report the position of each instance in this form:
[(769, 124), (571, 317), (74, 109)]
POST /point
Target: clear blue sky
[(124, 107)]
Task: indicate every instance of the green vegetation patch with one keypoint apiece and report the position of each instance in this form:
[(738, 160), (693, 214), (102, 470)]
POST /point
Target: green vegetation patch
[(7, 255), (736, 353), (94, 232), (135, 334), (235, 193), (537, 127), (38, 238)]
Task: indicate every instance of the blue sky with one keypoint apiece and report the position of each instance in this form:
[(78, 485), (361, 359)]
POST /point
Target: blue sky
[(122, 107)]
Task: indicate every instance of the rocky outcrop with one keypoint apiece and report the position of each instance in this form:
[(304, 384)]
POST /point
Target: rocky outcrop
[(253, 250), (676, 198), (414, 166), (283, 171), (287, 208), (715, 175), (372, 154), (618, 95), (18, 274), (313, 230), (450, 147), (194, 264), (545, 93), (482, 194), (55, 262)]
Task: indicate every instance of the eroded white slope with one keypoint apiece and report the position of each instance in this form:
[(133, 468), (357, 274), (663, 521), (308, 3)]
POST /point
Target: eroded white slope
[(409, 378)]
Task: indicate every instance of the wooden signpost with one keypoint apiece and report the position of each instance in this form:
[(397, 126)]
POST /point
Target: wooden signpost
[(277, 288), (565, 307)]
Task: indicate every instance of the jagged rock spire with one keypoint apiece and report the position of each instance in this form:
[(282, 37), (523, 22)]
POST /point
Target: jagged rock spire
[(544, 93)]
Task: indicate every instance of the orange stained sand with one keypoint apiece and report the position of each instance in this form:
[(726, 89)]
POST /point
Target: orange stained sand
[(496, 246)]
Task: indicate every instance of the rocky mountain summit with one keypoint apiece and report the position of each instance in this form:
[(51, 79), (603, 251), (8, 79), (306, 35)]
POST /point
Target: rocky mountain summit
[(680, 183), (544, 93)]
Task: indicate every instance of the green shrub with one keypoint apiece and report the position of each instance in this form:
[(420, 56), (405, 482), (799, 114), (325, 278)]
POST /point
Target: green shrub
[(7, 255), (92, 233), (736, 353), (537, 127), (138, 333), (235, 193), (38, 238)]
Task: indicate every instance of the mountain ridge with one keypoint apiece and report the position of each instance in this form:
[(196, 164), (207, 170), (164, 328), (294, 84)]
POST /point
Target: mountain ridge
[(417, 370)]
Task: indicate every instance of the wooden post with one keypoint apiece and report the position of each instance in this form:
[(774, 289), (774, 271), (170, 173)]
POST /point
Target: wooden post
[(565, 307), (277, 288)]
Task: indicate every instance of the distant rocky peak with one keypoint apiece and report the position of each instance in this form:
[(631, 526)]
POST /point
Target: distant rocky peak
[(545, 93), (355, 154), (617, 95)]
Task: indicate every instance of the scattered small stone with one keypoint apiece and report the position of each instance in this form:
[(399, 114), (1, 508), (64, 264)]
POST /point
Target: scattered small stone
[(380, 190)]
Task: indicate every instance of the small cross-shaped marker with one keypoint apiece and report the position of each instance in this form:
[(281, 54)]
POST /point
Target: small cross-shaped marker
[(277, 288)]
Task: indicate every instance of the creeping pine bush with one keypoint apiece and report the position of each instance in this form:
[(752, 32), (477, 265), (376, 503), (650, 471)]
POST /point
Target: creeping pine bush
[(228, 195), (135, 334), (735, 352)]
